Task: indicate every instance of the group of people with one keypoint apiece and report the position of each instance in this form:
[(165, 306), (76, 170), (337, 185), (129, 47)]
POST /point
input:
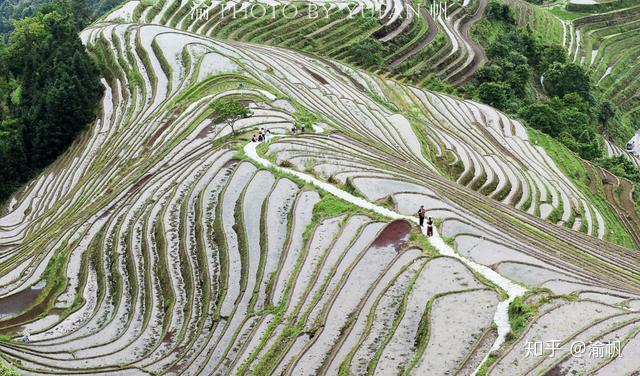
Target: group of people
[(264, 135), (294, 129), (422, 212)]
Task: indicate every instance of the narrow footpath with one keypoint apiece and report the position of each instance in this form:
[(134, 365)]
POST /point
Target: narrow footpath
[(513, 290)]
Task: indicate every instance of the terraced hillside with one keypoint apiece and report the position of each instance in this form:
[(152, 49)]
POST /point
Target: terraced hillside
[(600, 37), (604, 38), (164, 243), (416, 40)]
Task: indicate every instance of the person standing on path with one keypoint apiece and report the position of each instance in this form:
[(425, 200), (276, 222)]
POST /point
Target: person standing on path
[(430, 227), (421, 213)]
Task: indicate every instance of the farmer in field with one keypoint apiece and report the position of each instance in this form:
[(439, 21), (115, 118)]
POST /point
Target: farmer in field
[(421, 213), (429, 227)]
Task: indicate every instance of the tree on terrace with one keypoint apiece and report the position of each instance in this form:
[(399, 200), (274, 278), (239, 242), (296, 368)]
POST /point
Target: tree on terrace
[(230, 112), (368, 52), (494, 94), (561, 79)]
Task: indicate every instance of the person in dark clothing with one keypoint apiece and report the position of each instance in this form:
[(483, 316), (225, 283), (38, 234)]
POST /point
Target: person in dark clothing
[(430, 227), (254, 139), (260, 137), (421, 213)]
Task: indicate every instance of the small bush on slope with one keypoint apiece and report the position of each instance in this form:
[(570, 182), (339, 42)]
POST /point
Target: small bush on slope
[(7, 370), (368, 52), (230, 112)]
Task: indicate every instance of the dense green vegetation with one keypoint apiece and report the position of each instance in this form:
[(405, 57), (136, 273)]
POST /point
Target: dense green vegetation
[(368, 52), (18, 9), (49, 90), (519, 315), (7, 370), (529, 77), (539, 2), (621, 166)]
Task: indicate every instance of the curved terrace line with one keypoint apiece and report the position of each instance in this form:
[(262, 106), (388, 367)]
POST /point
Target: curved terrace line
[(513, 290)]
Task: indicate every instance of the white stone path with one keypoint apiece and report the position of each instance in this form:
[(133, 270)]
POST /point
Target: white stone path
[(513, 290)]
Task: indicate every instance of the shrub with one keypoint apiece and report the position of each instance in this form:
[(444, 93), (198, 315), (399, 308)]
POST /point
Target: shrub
[(561, 79), (7, 370), (493, 93), (368, 52)]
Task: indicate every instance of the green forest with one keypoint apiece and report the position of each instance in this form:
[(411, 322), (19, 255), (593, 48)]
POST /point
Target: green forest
[(49, 90), (534, 80), (11, 10)]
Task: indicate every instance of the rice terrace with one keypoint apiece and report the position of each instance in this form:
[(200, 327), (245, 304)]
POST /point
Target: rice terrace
[(197, 187)]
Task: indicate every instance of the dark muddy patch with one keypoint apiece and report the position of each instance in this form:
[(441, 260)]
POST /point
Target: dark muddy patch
[(16, 303), (157, 134), (168, 337), (394, 235), (204, 133), (318, 77), (140, 182)]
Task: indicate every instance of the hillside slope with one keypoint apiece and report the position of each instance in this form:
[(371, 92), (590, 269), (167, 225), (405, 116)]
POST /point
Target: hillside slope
[(409, 40), (602, 37), (155, 245)]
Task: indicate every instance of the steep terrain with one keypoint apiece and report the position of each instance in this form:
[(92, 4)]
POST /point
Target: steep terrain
[(603, 38), (413, 40), (159, 245)]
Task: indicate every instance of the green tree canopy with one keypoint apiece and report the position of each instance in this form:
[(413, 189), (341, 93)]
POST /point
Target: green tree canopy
[(562, 79), (230, 111), (49, 90), (543, 117), (551, 54), (368, 52), (493, 94)]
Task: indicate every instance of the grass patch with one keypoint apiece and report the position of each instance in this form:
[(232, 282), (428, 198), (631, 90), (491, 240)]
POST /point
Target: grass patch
[(450, 241), (5, 338), (484, 368), (331, 206), (7, 370), (417, 239), (519, 315), (563, 14)]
